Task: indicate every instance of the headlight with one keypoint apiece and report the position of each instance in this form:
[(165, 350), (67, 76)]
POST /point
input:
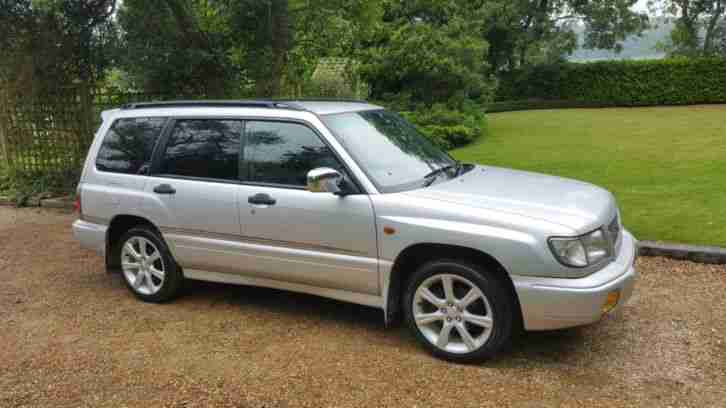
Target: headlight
[(581, 251)]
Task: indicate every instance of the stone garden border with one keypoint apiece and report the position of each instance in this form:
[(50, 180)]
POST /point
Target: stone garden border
[(695, 253)]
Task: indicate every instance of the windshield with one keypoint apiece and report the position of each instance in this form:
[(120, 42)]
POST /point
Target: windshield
[(393, 154)]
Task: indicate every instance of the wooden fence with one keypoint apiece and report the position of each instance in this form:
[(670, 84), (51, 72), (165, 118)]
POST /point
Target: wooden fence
[(51, 133)]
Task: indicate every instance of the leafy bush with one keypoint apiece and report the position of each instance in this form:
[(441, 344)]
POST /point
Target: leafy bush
[(6, 184), (447, 127), (23, 187), (621, 83), (331, 87)]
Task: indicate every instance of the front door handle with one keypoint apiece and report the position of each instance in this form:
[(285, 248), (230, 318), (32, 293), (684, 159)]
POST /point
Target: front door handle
[(164, 189), (261, 199)]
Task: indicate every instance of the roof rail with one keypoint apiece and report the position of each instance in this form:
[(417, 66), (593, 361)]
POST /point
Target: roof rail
[(214, 103), (322, 99)]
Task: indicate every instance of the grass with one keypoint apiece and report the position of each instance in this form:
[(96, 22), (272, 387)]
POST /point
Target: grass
[(665, 165)]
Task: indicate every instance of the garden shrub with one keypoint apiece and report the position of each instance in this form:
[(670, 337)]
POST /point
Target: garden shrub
[(329, 87), (449, 127), (620, 83), (23, 186)]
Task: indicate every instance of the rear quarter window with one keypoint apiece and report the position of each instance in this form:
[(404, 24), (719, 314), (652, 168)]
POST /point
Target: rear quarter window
[(128, 145)]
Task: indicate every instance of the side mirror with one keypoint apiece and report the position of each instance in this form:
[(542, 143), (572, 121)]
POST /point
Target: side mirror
[(325, 180)]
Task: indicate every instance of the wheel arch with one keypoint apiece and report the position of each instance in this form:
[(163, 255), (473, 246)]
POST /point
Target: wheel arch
[(116, 229), (413, 256)]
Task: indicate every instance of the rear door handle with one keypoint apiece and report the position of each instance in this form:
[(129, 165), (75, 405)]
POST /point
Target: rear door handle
[(164, 189), (261, 199)]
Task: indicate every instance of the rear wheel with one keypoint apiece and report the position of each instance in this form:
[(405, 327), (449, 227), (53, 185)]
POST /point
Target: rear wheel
[(147, 266), (459, 312)]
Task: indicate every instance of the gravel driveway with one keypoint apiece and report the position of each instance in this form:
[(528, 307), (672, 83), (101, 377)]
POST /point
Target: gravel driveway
[(72, 335)]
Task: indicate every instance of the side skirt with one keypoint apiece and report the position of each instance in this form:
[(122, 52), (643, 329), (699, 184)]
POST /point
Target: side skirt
[(345, 296)]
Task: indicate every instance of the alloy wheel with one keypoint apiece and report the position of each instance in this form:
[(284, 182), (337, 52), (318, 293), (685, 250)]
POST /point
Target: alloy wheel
[(452, 313), (142, 265)]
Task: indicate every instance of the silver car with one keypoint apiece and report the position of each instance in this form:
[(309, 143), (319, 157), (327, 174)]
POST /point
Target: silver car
[(346, 200)]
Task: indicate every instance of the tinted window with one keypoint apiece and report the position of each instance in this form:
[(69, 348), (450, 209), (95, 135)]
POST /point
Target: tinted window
[(128, 145), (203, 148), (283, 153)]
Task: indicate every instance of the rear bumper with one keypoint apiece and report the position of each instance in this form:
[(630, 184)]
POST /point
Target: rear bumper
[(555, 303), (91, 236)]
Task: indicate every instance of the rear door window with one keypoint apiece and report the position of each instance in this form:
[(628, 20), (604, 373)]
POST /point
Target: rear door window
[(128, 145), (203, 148)]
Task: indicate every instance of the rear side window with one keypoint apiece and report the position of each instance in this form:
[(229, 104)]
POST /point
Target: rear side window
[(128, 145), (206, 148), (283, 153)]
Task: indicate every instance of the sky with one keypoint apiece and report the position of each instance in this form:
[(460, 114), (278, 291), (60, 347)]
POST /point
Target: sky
[(642, 5)]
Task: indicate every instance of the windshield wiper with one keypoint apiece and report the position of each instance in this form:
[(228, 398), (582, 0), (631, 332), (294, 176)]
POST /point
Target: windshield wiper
[(431, 177)]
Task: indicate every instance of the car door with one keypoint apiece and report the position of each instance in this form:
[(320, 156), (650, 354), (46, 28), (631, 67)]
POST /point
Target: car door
[(194, 190), (116, 182), (297, 236)]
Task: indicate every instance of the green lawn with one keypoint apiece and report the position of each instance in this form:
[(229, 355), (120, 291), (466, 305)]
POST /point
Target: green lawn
[(665, 165)]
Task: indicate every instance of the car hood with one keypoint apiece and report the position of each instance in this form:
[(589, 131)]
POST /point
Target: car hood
[(574, 204)]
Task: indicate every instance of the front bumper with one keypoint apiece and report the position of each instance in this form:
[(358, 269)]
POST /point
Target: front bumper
[(556, 303), (91, 236)]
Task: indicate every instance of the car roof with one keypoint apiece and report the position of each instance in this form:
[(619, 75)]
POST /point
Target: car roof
[(331, 107), (319, 107)]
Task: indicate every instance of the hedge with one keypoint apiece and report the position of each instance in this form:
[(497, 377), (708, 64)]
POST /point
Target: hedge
[(619, 83), (535, 104)]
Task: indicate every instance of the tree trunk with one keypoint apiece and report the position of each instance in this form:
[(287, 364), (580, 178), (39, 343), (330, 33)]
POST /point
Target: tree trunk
[(523, 55), (710, 28), (213, 73), (269, 82), (4, 155), (690, 23)]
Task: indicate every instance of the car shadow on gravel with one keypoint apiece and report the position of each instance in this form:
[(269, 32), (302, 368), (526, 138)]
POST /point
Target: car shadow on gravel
[(544, 346), (291, 304), (547, 346)]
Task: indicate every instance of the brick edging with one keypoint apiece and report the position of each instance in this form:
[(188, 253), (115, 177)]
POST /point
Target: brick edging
[(695, 253), (63, 203)]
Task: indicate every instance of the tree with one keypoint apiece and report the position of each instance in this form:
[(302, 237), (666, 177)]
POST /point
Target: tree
[(264, 30), (329, 28), (430, 51), (285, 39), (176, 47), (51, 42), (700, 28), (524, 32), (235, 47)]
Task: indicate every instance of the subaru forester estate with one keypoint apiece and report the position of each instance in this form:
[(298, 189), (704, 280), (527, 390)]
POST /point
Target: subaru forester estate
[(347, 200)]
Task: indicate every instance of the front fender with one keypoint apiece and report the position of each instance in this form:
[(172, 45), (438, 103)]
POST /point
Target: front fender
[(518, 252)]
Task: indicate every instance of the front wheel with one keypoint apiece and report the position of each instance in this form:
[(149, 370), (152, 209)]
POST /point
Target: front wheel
[(458, 311)]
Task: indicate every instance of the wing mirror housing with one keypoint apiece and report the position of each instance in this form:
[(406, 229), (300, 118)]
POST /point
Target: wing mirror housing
[(327, 180)]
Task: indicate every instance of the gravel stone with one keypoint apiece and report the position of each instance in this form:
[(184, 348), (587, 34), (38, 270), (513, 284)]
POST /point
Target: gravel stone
[(72, 335)]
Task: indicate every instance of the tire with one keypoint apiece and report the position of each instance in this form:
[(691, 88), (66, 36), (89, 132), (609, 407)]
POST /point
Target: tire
[(150, 286), (491, 305)]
